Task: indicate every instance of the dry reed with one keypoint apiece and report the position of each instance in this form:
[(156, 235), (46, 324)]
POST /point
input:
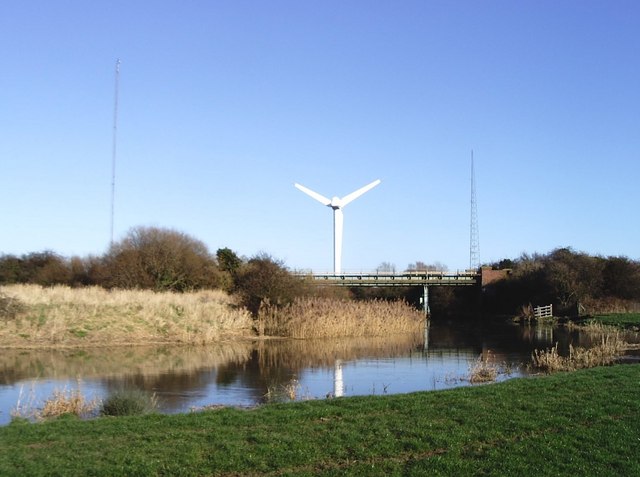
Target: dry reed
[(67, 402), (64, 316), (483, 370), (606, 352), (610, 305), (592, 328), (283, 392), (61, 402), (328, 318)]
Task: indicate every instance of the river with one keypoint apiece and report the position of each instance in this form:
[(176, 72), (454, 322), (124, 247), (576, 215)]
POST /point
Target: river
[(246, 373)]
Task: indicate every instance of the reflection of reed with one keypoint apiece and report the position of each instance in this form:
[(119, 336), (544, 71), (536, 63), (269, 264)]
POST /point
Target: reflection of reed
[(300, 354), (119, 362)]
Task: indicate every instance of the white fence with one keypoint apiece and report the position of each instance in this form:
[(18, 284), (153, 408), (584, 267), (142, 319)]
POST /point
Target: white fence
[(543, 311)]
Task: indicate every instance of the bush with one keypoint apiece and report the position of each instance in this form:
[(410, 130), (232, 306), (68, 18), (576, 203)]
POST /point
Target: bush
[(264, 279), (161, 260), (40, 268), (132, 402), (9, 307), (569, 280)]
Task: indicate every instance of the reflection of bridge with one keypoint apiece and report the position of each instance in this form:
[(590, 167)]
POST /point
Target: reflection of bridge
[(405, 279)]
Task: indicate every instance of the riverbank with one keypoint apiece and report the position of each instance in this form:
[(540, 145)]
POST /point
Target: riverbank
[(581, 423), (84, 317), (620, 320), (33, 316)]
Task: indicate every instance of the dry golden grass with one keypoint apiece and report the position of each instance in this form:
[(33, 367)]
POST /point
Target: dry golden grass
[(64, 316), (606, 352), (329, 318), (610, 305), (67, 402), (484, 370), (61, 402)]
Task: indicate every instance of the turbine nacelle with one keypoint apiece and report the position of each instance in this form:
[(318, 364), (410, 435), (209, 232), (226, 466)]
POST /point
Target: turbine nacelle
[(336, 203)]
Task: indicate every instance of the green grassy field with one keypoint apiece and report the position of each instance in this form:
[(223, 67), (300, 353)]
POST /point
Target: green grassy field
[(581, 423), (624, 320)]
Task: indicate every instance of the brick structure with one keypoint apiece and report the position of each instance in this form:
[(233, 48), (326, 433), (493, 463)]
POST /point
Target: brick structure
[(488, 275)]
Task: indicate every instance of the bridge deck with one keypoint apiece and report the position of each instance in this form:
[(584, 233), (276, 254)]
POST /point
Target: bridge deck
[(406, 279)]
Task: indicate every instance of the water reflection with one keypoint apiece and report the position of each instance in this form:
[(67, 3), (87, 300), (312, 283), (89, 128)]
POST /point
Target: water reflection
[(242, 372)]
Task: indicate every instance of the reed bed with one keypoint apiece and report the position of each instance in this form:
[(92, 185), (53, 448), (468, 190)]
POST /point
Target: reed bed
[(610, 305), (330, 318), (64, 316), (606, 352)]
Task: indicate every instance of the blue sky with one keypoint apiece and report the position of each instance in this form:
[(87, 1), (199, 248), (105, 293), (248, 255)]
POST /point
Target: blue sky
[(223, 105)]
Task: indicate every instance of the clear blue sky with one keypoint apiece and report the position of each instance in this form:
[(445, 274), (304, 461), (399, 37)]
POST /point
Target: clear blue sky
[(223, 105)]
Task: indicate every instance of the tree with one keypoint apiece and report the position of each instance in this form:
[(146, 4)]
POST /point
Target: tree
[(420, 266), (386, 267), (229, 263), (228, 260), (11, 270), (573, 276), (160, 259), (43, 268), (621, 278), (264, 279)]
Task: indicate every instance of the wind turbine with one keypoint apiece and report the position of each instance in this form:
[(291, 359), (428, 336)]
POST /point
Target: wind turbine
[(338, 219)]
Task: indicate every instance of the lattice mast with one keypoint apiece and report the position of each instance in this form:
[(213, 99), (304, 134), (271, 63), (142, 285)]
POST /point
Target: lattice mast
[(113, 149), (474, 239)]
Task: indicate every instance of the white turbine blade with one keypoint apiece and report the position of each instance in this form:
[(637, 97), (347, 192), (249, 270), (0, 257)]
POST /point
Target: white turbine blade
[(320, 198), (354, 195), (338, 220)]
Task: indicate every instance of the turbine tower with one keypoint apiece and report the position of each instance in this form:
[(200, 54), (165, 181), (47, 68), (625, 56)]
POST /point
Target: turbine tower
[(474, 241), (337, 204)]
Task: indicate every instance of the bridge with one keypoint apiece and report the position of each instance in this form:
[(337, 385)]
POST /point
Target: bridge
[(424, 279), (405, 279)]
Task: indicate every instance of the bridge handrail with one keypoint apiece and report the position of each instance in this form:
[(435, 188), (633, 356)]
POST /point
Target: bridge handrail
[(470, 275)]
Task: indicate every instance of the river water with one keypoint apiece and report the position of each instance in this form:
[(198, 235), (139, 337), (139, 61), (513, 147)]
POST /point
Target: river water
[(246, 373)]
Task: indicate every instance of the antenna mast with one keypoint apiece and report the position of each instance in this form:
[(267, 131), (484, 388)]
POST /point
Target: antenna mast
[(113, 151), (474, 242)]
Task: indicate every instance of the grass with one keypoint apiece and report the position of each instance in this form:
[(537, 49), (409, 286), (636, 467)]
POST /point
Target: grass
[(582, 423), (62, 316), (622, 320), (330, 318)]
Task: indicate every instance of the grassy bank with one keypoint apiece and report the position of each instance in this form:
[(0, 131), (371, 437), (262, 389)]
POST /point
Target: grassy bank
[(35, 316), (621, 320), (63, 316), (582, 423)]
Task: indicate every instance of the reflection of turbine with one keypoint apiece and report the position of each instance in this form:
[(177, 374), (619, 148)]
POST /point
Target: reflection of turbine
[(338, 383), (337, 204)]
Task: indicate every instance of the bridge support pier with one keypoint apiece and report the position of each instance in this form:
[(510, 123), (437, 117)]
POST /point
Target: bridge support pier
[(425, 300)]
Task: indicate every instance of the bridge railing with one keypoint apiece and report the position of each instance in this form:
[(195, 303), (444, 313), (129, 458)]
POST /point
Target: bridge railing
[(395, 279)]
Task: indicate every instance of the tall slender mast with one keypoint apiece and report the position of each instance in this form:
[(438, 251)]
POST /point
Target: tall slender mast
[(474, 241), (114, 149)]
